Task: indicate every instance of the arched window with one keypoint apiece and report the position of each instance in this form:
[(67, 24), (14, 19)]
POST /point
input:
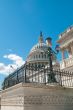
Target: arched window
[(42, 55), (36, 56), (39, 55)]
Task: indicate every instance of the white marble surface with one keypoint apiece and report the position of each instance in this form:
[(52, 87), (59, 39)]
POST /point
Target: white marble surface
[(37, 97)]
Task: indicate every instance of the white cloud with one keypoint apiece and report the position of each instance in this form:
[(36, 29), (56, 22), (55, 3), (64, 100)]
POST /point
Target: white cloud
[(17, 61), (3, 69), (15, 58)]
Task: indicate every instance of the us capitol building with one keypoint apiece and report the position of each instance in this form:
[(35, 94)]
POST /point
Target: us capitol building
[(35, 62), (38, 54), (42, 82)]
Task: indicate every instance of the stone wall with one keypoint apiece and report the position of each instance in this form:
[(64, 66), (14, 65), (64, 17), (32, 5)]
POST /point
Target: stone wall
[(33, 96)]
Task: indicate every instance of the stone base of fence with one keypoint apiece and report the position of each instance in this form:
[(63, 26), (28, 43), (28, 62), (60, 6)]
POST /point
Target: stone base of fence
[(26, 96)]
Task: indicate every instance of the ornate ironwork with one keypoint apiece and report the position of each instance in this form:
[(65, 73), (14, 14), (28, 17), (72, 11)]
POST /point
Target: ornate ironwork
[(38, 74)]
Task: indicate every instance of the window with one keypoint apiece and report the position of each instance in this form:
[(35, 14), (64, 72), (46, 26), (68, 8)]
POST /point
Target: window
[(36, 56), (42, 55), (39, 55)]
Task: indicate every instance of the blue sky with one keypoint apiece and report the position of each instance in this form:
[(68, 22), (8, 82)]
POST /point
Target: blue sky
[(21, 22)]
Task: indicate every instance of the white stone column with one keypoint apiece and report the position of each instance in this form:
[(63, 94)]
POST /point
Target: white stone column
[(63, 56), (62, 63), (70, 51)]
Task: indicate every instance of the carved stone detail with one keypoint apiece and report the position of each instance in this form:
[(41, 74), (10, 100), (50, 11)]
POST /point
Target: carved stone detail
[(51, 99), (13, 100)]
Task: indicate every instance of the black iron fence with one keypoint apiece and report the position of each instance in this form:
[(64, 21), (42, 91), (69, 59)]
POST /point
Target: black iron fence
[(43, 75), (40, 74)]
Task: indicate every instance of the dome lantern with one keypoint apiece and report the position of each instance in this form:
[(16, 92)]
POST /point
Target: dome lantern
[(41, 38)]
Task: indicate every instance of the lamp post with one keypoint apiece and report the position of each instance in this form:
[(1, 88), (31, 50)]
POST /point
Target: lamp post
[(51, 75)]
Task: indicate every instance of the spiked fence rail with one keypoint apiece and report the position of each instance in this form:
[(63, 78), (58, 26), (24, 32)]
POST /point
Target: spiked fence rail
[(38, 74)]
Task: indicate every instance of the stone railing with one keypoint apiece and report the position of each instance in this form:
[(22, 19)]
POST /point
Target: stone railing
[(66, 63), (66, 31)]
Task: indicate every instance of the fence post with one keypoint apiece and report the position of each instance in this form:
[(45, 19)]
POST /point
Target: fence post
[(60, 77), (25, 73), (44, 76)]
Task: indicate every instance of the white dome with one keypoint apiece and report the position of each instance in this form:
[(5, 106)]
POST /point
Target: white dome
[(39, 47), (39, 53)]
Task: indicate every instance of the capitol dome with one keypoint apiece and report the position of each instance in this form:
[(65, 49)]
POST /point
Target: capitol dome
[(38, 54)]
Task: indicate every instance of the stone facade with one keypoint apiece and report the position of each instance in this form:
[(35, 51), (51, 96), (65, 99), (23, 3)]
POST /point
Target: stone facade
[(66, 48), (32, 97)]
